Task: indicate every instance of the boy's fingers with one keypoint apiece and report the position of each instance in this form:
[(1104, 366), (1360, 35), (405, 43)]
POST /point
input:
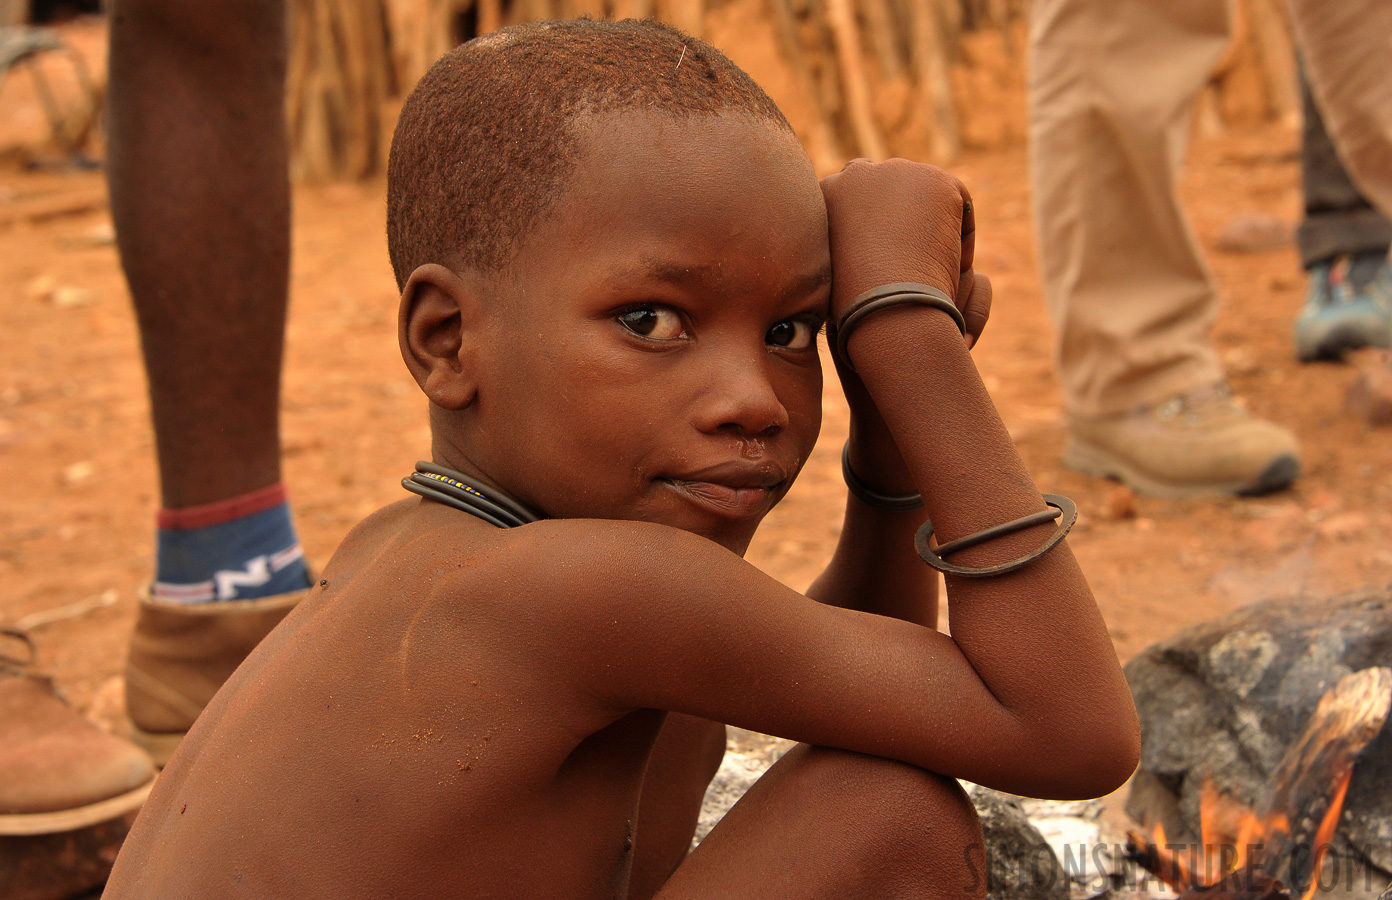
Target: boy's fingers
[(829, 182), (892, 221), (974, 300), (968, 229)]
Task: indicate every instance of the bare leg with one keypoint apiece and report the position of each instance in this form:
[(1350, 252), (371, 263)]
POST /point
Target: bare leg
[(201, 201), (200, 195), (827, 823), (683, 762)]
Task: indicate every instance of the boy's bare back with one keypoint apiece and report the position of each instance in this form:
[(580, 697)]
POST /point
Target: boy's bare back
[(463, 709)]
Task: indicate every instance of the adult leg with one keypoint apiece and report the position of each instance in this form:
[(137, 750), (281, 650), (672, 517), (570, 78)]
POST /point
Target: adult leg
[(1338, 218), (1347, 50), (827, 823), (201, 202), (1343, 244), (1112, 87), (197, 163)]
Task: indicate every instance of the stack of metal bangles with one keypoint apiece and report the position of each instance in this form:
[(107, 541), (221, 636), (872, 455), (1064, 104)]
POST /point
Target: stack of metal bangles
[(900, 293), (1062, 508)]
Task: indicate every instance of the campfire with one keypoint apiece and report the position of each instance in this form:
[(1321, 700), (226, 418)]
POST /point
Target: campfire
[(1272, 851)]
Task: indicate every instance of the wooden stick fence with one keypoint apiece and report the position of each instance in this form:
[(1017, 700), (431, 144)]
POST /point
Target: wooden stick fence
[(881, 76)]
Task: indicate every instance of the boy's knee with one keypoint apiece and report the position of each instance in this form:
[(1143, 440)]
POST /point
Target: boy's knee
[(916, 824)]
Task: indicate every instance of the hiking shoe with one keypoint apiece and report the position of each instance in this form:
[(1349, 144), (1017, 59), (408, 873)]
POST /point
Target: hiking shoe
[(180, 654), (1348, 306), (1198, 443), (58, 771)]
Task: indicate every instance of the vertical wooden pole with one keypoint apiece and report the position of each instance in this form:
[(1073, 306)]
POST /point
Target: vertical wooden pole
[(490, 15), (928, 55), (846, 37)]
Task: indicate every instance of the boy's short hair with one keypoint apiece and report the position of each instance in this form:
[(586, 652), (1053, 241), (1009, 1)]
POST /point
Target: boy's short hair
[(486, 140)]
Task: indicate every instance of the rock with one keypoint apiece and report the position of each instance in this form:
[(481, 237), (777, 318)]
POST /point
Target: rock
[(69, 296), (78, 472), (41, 288), (1255, 233), (1281, 529), (1120, 503), (63, 296), (1344, 526), (1227, 698), (1019, 863), (1370, 395), (1088, 848), (1240, 361)]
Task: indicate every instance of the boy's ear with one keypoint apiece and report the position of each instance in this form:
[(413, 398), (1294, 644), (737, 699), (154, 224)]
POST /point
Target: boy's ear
[(438, 330)]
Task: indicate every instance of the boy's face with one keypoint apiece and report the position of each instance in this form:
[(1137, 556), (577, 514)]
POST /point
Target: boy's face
[(651, 353)]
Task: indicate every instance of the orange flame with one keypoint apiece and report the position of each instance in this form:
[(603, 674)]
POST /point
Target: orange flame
[(1325, 833), (1164, 864), (1225, 822)]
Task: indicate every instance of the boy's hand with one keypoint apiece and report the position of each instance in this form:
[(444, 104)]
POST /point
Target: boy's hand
[(903, 221)]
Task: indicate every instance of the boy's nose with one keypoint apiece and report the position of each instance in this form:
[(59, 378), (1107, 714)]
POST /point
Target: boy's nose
[(740, 397)]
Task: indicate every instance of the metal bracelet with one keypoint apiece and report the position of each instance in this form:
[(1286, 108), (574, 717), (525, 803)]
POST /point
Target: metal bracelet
[(883, 297), (1062, 508), (872, 498)]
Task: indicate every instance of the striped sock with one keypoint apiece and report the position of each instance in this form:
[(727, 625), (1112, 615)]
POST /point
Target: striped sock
[(236, 549)]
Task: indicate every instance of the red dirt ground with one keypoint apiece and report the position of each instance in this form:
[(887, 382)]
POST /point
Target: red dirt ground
[(76, 454)]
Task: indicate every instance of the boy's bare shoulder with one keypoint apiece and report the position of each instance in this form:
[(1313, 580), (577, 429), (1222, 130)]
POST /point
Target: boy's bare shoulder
[(558, 569), (569, 569)]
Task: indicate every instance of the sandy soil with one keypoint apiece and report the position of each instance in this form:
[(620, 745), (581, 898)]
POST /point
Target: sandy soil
[(76, 454)]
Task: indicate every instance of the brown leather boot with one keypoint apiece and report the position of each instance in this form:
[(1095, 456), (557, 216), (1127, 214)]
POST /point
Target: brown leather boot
[(58, 771), (1194, 444), (181, 654)]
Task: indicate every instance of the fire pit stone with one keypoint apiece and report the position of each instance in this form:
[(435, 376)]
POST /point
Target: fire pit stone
[(1226, 699)]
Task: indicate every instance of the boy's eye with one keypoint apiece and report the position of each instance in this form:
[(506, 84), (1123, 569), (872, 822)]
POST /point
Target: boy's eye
[(791, 334), (653, 322)]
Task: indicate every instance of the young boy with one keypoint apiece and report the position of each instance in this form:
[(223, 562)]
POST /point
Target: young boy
[(615, 259)]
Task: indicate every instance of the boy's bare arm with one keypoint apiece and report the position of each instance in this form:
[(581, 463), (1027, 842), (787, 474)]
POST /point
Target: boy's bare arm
[(633, 615), (875, 567), (931, 418), (1026, 695)]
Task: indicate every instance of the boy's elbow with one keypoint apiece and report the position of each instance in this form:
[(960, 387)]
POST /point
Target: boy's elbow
[(1101, 757), (1110, 764)]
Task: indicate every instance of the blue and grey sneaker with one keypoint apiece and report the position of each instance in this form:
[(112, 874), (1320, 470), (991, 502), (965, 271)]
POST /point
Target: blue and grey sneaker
[(1348, 306)]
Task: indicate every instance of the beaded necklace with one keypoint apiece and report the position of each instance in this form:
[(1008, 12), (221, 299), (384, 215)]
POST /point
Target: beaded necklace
[(463, 493)]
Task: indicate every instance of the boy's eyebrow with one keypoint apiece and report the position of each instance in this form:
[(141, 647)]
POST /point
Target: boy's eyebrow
[(676, 273), (806, 284)]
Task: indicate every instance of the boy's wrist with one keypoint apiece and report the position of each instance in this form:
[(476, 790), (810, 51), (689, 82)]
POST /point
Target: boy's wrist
[(875, 459), (873, 453)]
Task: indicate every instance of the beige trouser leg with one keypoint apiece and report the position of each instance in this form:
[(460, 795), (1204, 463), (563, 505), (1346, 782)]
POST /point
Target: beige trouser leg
[(1347, 46), (1112, 87)]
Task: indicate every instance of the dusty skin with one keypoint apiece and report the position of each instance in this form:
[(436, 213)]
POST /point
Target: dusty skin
[(462, 705)]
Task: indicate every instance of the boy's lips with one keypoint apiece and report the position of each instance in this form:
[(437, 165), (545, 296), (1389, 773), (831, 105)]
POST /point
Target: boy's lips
[(732, 490)]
